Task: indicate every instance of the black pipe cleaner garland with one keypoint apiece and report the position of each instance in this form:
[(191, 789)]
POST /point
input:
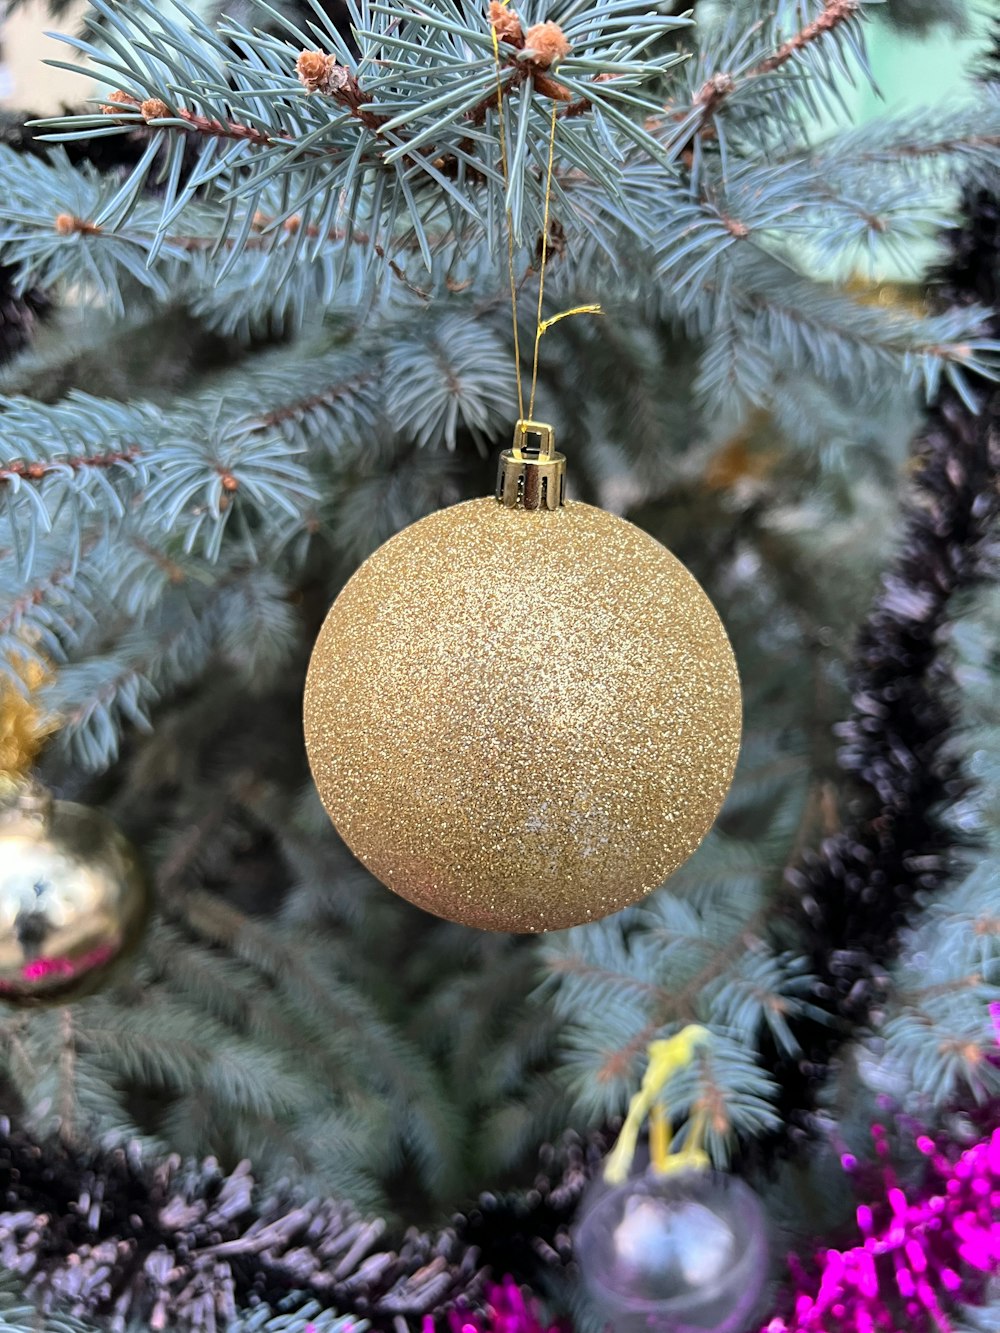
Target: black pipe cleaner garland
[(856, 892), (112, 1235)]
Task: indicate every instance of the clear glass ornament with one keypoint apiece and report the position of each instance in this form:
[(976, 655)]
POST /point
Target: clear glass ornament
[(684, 1252)]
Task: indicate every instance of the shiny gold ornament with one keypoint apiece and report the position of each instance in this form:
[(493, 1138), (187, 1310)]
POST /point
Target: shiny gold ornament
[(522, 714), (73, 902)]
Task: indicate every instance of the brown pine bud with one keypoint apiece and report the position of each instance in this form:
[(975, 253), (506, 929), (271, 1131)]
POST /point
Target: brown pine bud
[(713, 90), (66, 224), (546, 44), (154, 108), (119, 102), (506, 24), (229, 482), (313, 69)]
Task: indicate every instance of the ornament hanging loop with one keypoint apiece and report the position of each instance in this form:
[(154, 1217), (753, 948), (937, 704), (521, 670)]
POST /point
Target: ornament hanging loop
[(665, 1058), (534, 440), (532, 475)]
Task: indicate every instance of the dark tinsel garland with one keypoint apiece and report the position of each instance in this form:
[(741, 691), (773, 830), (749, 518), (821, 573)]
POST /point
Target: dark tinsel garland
[(855, 893), (109, 1234)]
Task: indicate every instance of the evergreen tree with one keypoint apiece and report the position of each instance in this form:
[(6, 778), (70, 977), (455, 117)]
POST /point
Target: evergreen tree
[(259, 322)]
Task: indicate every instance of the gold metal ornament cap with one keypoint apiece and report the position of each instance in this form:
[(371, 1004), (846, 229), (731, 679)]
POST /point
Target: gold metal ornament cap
[(522, 719), (531, 474)]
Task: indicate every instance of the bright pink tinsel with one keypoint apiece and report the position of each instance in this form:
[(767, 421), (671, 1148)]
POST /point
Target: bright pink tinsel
[(508, 1310), (916, 1255)]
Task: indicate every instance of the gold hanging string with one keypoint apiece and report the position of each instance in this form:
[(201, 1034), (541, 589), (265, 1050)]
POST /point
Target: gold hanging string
[(541, 325), (541, 268), (509, 215)]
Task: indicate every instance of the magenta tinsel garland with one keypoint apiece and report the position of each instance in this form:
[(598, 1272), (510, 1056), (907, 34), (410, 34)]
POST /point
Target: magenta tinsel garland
[(917, 1255), (508, 1310)]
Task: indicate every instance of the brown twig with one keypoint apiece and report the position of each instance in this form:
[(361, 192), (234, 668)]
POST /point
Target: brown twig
[(679, 1004), (330, 395), (37, 470), (576, 967), (358, 238), (224, 129), (320, 72), (958, 353), (190, 844), (717, 89), (66, 224), (174, 572), (913, 998), (934, 149), (153, 109), (34, 596), (835, 12), (142, 668), (534, 54)]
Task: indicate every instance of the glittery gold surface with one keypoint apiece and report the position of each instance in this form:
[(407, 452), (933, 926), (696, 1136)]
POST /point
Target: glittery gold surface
[(522, 720)]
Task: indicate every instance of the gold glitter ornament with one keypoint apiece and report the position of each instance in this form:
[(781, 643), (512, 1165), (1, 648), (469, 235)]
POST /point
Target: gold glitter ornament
[(522, 714), (73, 902)]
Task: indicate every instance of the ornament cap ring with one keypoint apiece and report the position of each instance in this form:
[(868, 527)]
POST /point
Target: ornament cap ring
[(532, 475)]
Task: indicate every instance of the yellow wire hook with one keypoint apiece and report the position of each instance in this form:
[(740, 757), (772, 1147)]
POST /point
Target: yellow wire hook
[(665, 1059)]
